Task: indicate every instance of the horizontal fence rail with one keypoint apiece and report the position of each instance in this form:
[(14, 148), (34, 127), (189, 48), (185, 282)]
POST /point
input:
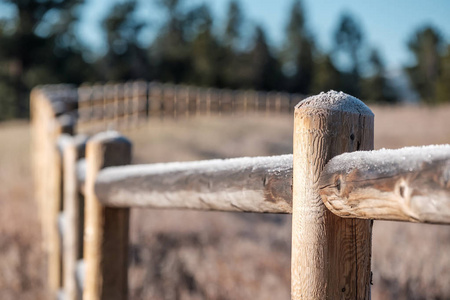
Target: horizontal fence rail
[(409, 184), (257, 184)]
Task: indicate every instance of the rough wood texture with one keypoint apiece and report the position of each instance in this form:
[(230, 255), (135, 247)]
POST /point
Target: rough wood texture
[(53, 206), (106, 229), (70, 241), (330, 255), (409, 184), (42, 116), (260, 184), (46, 104), (72, 149)]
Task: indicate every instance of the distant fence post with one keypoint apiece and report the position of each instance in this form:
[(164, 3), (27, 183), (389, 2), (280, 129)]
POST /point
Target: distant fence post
[(106, 229), (50, 113), (73, 149), (330, 255), (54, 202)]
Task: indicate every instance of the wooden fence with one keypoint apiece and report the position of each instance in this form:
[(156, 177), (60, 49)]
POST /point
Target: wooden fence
[(85, 188), (128, 105)]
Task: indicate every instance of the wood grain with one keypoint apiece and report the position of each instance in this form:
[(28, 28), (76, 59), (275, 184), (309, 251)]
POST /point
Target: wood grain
[(261, 184), (330, 255), (47, 104), (72, 149), (401, 190), (106, 229)]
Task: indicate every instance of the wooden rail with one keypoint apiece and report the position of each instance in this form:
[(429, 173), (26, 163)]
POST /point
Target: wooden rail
[(259, 184), (84, 202), (410, 184)]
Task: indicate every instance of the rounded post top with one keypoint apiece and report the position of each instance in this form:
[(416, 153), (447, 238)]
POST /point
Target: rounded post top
[(336, 101)]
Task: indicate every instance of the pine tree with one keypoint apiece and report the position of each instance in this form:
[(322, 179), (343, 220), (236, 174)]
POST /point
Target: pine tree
[(233, 26), (265, 69), (205, 51), (426, 46), (39, 45), (298, 52), (232, 62), (376, 88), (443, 81), (348, 40), (171, 50), (326, 76), (125, 58)]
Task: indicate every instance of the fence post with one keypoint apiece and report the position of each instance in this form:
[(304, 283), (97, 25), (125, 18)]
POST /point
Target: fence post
[(106, 229), (53, 201), (330, 255), (73, 149), (41, 116), (47, 126)]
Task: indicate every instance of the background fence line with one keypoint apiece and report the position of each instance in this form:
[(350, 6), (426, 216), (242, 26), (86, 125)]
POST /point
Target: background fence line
[(127, 105)]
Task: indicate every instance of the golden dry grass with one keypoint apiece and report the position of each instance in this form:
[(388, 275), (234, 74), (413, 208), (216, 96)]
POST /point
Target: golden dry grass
[(212, 255), (22, 265)]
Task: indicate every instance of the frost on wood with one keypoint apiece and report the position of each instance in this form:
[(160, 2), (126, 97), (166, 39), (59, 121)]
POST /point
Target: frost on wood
[(80, 273), (105, 136), (66, 140), (408, 184), (389, 161), (337, 101), (63, 141), (259, 184), (271, 164), (81, 171)]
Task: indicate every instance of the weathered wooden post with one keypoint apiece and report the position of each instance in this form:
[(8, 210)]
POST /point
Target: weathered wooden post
[(72, 150), (46, 105), (106, 229), (64, 124), (139, 102), (330, 255), (41, 116), (44, 149), (209, 92), (128, 105)]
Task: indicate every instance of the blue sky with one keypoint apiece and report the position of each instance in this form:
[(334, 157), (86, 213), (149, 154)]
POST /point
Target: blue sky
[(387, 24)]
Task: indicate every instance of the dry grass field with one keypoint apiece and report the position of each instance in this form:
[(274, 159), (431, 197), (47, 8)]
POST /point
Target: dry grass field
[(212, 255), (21, 257)]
